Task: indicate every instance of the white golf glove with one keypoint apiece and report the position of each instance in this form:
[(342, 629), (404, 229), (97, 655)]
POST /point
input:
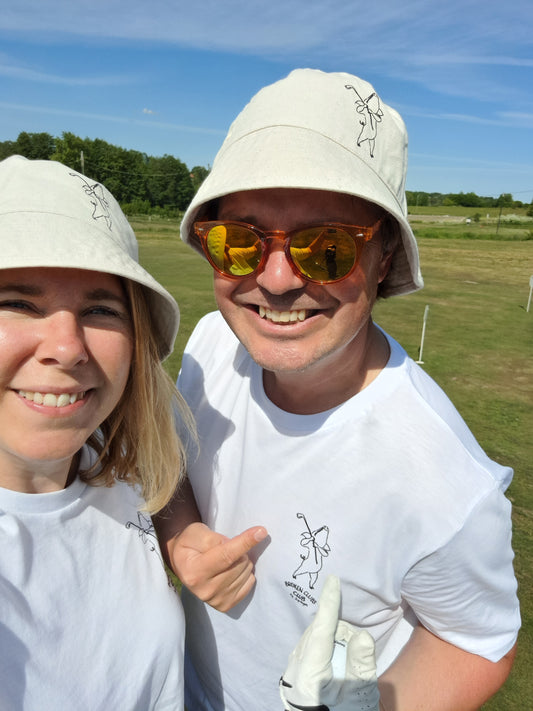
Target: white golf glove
[(333, 666)]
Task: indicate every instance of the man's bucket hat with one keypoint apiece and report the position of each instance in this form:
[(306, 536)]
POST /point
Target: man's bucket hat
[(318, 131)]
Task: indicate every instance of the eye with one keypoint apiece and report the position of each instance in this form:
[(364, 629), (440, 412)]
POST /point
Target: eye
[(17, 305), (104, 311)]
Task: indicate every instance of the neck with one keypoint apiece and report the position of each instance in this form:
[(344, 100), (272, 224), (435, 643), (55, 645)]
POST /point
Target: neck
[(40, 479), (325, 384)]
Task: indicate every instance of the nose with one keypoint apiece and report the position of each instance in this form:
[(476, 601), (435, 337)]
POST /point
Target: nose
[(62, 341), (277, 275)]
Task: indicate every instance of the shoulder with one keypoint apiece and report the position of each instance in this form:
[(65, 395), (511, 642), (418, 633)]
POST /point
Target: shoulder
[(211, 349), (211, 324), (432, 431), (212, 338)]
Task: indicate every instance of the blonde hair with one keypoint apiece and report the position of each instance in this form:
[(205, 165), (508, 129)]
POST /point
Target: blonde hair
[(138, 442)]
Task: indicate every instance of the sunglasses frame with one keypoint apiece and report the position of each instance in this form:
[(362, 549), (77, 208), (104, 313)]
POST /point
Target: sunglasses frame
[(360, 235)]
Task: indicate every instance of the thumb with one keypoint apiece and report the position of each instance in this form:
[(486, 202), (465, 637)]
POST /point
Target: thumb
[(235, 548)]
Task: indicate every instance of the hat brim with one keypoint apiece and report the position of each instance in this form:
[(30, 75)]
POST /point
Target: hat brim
[(296, 157), (50, 233)]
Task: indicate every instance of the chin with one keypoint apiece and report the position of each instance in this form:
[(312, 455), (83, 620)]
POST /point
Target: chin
[(283, 362)]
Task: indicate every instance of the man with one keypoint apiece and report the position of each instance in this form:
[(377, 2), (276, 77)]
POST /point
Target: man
[(314, 423)]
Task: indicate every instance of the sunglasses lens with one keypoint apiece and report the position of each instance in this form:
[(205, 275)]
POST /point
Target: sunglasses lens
[(324, 253), (234, 249)]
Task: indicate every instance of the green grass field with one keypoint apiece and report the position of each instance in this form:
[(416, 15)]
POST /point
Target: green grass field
[(478, 346)]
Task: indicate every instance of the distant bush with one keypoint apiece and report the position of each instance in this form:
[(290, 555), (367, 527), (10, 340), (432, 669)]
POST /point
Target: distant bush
[(143, 207), (481, 234)]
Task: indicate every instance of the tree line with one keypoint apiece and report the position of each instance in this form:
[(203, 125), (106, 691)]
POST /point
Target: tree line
[(142, 184), (164, 185), (423, 199)]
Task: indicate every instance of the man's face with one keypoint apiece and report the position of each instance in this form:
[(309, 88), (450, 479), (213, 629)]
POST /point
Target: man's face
[(286, 323)]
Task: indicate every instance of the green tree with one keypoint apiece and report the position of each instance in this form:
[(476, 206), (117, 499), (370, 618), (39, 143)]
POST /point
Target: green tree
[(469, 200), (505, 200), (7, 148), (169, 183), (71, 150), (36, 146), (199, 174)]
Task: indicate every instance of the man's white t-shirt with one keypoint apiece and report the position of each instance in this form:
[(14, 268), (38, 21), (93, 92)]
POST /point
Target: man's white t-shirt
[(389, 491), (88, 618)]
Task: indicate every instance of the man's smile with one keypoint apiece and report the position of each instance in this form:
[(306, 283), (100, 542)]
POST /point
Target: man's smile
[(283, 316)]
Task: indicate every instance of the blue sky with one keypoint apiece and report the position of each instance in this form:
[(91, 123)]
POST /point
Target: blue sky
[(168, 76)]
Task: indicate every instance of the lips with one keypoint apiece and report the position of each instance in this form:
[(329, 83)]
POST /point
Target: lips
[(51, 399), (282, 316)]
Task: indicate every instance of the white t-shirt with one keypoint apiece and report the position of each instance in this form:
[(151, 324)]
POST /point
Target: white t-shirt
[(389, 491), (88, 618)]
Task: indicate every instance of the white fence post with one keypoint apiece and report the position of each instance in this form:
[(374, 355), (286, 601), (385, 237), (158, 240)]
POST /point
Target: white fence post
[(423, 335)]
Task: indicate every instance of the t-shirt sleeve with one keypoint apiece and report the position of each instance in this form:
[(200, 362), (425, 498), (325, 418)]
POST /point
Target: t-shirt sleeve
[(465, 592)]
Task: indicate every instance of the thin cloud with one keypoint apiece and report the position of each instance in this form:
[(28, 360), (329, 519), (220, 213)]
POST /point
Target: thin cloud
[(501, 119), (520, 119), (465, 161), (452, 48), (32, 75), (109, 118), (418, 27)]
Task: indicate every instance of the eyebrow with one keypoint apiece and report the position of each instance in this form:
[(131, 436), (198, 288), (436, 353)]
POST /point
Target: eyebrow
[(98, 294), (26, 289), (105, 295), (234, 217)]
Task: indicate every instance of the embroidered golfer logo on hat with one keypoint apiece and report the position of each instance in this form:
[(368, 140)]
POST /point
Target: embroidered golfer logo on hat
[(97, 199), (371, 114)]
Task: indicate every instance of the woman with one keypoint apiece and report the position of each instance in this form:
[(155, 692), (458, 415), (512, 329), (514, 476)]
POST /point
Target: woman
[(88, 618)]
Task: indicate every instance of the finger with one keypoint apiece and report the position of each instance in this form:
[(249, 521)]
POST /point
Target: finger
[(320, 638), (360, 655), (220, 585), (227, 595), (200, 538), (226, 553), (220, 571), (327, 615), (235, 548)]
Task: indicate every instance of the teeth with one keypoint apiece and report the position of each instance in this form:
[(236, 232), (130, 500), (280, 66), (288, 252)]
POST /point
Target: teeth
[(50, 399), (282, 316), (63, 399)]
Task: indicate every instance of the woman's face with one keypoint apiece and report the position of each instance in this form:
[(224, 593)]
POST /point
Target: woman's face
[(66, 345)]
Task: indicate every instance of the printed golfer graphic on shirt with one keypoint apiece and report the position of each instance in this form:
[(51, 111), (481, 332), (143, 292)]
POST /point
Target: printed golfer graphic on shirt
[(145, 529), (371, 114), (97, 200), (315, 545)]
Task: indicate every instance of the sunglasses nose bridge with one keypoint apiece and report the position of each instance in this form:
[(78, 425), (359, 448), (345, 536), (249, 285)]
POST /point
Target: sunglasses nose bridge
[(277, 271), (283, 239), (274, 235), (274, 238)]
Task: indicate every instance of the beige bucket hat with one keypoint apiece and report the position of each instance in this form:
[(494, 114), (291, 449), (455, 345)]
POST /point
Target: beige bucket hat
[(321, 131), (52, 216)]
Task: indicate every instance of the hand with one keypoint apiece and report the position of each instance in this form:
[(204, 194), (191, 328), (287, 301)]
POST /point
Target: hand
[(333, 665), (216, 568)]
